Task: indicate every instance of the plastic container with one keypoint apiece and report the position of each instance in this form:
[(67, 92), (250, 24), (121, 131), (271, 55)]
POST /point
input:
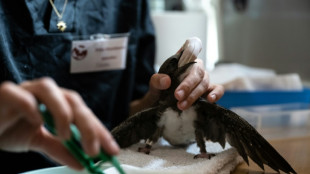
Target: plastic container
[(278, 120)]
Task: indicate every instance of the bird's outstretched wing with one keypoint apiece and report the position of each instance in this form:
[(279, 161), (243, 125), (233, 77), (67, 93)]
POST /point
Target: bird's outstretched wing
[(220, 125), (142, 125)]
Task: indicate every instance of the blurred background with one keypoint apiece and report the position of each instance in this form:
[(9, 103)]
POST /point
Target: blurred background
[(259, 50), (269, 34)]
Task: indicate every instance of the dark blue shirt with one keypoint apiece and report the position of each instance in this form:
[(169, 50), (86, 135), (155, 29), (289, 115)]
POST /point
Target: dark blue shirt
[(31, 46)]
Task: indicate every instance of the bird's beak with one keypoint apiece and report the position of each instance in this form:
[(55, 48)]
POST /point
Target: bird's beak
[(183, 60), (184, 66), (179, 56)]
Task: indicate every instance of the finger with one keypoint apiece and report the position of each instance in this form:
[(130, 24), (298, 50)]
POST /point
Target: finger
[(16, 102), (215, 92), (48, 144), (159, 82), (108, 143), (82, 118), (191, 81), (46, 90), (197, 92), (94, 134), (8, 118)]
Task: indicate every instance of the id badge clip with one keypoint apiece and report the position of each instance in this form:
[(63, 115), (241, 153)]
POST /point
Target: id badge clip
[(101, 52)]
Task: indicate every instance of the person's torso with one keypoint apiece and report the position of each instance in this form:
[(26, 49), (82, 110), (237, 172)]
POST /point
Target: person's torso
[(32, 47)]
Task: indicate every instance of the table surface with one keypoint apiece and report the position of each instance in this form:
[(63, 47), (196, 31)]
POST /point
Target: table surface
[(295, 150)]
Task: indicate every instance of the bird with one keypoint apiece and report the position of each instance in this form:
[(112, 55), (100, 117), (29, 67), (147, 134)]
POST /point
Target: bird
[(203, 121)]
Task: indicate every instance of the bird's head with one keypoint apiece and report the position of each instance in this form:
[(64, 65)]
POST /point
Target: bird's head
[(177, 70), (174, 68)]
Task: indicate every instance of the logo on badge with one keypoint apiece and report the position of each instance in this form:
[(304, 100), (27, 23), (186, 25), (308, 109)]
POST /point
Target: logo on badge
[(79, 52)]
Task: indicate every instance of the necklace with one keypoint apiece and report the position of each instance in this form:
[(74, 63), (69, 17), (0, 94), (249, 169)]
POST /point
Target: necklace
[(61, 25)]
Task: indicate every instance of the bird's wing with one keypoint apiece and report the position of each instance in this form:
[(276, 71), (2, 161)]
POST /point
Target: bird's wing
[(140, 126), (220, 125)]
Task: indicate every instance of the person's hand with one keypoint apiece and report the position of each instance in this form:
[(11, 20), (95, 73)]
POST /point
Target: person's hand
[(194, 85), (21, 125)]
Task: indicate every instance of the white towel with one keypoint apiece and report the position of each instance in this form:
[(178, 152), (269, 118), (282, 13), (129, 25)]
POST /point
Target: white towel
[(178, 160), (165, 159)]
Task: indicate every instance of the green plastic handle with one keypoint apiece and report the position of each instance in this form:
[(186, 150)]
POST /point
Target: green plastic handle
[(74, 146)]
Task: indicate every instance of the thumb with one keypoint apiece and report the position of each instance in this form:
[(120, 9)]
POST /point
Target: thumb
[(159, 82)]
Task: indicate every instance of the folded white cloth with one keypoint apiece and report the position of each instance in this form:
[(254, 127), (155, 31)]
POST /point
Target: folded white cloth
[(179, 160)]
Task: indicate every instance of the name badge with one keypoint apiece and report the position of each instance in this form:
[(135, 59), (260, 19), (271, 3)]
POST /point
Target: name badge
[(99, 54)]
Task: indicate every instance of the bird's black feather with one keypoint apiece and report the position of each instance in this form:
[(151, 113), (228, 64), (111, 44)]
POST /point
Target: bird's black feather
[(130, 131), (240, 134)]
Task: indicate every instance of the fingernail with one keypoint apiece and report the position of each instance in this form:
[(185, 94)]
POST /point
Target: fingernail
[(183, 104), (213, 97), (114, 146), (96, 146), (163, 82), (92, 149), (180, 94)]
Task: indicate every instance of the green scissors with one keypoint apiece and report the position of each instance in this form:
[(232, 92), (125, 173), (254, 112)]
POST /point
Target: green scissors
[(74, 146)]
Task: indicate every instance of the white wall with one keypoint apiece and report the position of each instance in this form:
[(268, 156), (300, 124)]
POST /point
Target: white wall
[(172, 30)]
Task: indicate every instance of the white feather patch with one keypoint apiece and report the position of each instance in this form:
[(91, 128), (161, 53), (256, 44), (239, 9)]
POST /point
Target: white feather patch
[(178, 129)]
